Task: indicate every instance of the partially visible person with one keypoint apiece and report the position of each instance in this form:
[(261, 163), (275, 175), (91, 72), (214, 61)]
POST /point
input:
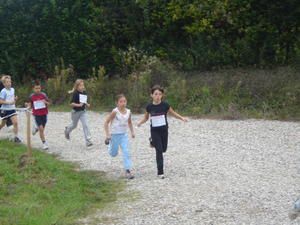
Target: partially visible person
[(3, 76), (8, 107)]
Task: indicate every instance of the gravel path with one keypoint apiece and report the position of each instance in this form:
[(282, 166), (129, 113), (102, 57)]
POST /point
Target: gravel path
[(218, 172)]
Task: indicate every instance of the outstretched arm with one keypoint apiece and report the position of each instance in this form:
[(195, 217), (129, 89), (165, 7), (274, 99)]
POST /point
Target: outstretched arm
[(106, 123), (176, 115), (144, 120)]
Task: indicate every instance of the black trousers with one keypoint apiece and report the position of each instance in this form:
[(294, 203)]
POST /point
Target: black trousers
[(160, 143)]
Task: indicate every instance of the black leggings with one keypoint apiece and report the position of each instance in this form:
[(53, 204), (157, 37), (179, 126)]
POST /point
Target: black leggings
[(160, 143)]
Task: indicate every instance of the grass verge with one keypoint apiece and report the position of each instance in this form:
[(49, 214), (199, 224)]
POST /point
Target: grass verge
[(48, 191)]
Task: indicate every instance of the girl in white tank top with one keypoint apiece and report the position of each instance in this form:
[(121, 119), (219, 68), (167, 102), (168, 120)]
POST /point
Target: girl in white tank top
[(119, 124), (117, 137)]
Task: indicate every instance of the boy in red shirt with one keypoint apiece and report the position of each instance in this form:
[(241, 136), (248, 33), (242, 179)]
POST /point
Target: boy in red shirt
[(39, 102)]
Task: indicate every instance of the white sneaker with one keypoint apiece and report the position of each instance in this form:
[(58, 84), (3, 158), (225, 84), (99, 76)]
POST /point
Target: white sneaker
[(161, 176), (45, 146), (34, 130)]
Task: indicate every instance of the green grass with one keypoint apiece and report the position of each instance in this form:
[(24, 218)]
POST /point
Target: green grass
[(49, 191)]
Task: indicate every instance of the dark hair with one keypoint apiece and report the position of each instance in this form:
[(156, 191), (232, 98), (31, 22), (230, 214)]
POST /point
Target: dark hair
[(118, 97), (157, 87), (36, 83)]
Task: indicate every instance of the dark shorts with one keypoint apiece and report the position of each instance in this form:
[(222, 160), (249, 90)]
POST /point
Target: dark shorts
[(41, 120), (7, 114)]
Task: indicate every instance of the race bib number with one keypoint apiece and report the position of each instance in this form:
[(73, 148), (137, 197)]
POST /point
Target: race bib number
[(82, 98), (158, 121), (39, 105)]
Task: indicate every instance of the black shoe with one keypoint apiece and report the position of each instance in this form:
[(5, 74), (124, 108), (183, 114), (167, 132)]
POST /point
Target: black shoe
[(17, 140), (89, 144), (151, 143), (107, 140), (129, 175)]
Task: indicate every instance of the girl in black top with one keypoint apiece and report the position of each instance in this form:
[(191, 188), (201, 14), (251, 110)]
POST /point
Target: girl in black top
[(158, 110), (79, 103)]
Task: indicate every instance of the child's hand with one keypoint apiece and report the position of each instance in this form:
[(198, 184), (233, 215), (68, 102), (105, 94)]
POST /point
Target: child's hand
[(88, 105), (16, 99), (80, 104), (184, 119)]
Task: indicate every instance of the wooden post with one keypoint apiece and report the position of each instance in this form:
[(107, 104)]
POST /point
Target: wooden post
[(28, 134)]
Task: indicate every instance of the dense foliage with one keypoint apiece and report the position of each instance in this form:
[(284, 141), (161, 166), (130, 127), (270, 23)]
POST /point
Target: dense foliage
[(36, 35)]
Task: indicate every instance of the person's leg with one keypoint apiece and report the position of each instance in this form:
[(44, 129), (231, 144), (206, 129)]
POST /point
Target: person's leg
[(8, 122), (157, 142), (165, 137), (3, 122), (125, 152), (75, 118), (42, 135), (39, 121), (35, 126), (86, 131), (14, 120), (113, 146), (42, 126)]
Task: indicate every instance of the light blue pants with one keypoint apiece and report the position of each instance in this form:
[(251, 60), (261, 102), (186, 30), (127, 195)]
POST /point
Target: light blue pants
[(120, 140)]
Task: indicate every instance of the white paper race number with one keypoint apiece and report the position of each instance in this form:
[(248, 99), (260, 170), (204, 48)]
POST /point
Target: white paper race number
[(158, 121), (82, 98), (39, 105)]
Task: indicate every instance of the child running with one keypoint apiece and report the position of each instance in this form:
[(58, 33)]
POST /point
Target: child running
[(158, 110), (79, 103), (39, 103), (119, 120), (8, 107), (3, 76)]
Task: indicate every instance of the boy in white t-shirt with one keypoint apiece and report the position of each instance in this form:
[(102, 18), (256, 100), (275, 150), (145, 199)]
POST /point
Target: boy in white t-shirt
[(120, 120), (3, 77), (8, 107)]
